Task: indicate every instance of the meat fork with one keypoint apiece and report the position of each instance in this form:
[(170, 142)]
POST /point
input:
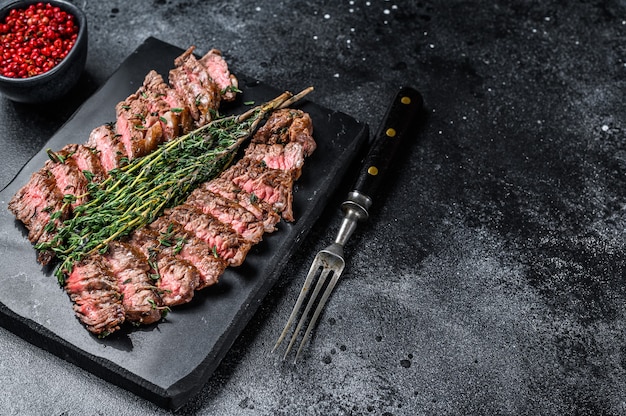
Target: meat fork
[(398, 125)]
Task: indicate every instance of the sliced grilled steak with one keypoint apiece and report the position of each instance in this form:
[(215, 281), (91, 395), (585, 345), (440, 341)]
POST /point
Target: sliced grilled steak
[(87, 161), (190, 248), (137, 127), (94, 291), (273, 186), (229, 212), (260, 209), (180, 249), (131, 269), (287, 126), (165, 103), (226, 242), (218, 70), (150, 116), (68, 177), (177, 279), (194, 84), (289, 157), (108, 145), (34, 204)]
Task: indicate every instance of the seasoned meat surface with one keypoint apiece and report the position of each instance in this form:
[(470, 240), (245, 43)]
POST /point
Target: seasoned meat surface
[(96, 297), (87, 161), (289, 157), (69, 179), (273, 186), (218, 70), (288, 126), (176, 278), (131, 270), (193, 82), (34, 204), (260, 209), (192, 249), (108, 146), (229, 212), (226, 243)]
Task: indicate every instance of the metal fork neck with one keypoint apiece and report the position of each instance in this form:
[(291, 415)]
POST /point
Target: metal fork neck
[(355, 209)]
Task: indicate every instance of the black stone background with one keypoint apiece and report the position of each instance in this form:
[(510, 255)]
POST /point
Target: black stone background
[(490, 277)]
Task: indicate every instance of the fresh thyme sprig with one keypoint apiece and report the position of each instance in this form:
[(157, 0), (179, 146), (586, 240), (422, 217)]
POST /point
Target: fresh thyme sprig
[(137, 193)]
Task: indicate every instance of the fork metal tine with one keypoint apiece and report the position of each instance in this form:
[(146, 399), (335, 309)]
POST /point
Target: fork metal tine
[(328, 262), (320, 283), (320, 307), (303, 293)]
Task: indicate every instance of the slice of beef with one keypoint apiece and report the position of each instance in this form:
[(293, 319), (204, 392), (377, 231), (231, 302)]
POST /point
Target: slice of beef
[(194, 84), (218, 70), (68, 177), (34, 204), (190, 248), (259, 208), (153, 114), (176, 114), (289, 157), (97, 300), (166, 104), (87, 160), (139, 129), (229, 212), (43, 195), (287, 126), (108, 145), (301, 131), (273, 186), (176, 279), (226, 242), (131, 269)]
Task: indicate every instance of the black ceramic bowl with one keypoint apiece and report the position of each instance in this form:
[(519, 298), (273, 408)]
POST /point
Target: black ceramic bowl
[(60, 79)]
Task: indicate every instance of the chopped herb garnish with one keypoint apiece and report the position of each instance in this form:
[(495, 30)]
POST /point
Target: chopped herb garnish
[(231, 88), (180, 243)]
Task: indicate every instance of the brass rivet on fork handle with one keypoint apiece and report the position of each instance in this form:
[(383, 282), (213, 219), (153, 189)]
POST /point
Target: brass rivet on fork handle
[(399, 124)]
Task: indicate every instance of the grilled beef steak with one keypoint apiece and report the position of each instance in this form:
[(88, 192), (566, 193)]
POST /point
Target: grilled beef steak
[(222, 239), (196, 85), (164, 263), (155, 113), (288, 126), (273, 186), (131, 270), (190, 248), (96, 297), (176, 279)]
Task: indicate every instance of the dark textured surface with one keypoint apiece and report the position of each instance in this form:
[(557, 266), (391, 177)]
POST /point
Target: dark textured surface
[(490, 279)]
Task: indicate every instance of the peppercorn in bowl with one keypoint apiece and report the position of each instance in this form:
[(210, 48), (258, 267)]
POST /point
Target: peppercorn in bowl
[(43, 49)]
